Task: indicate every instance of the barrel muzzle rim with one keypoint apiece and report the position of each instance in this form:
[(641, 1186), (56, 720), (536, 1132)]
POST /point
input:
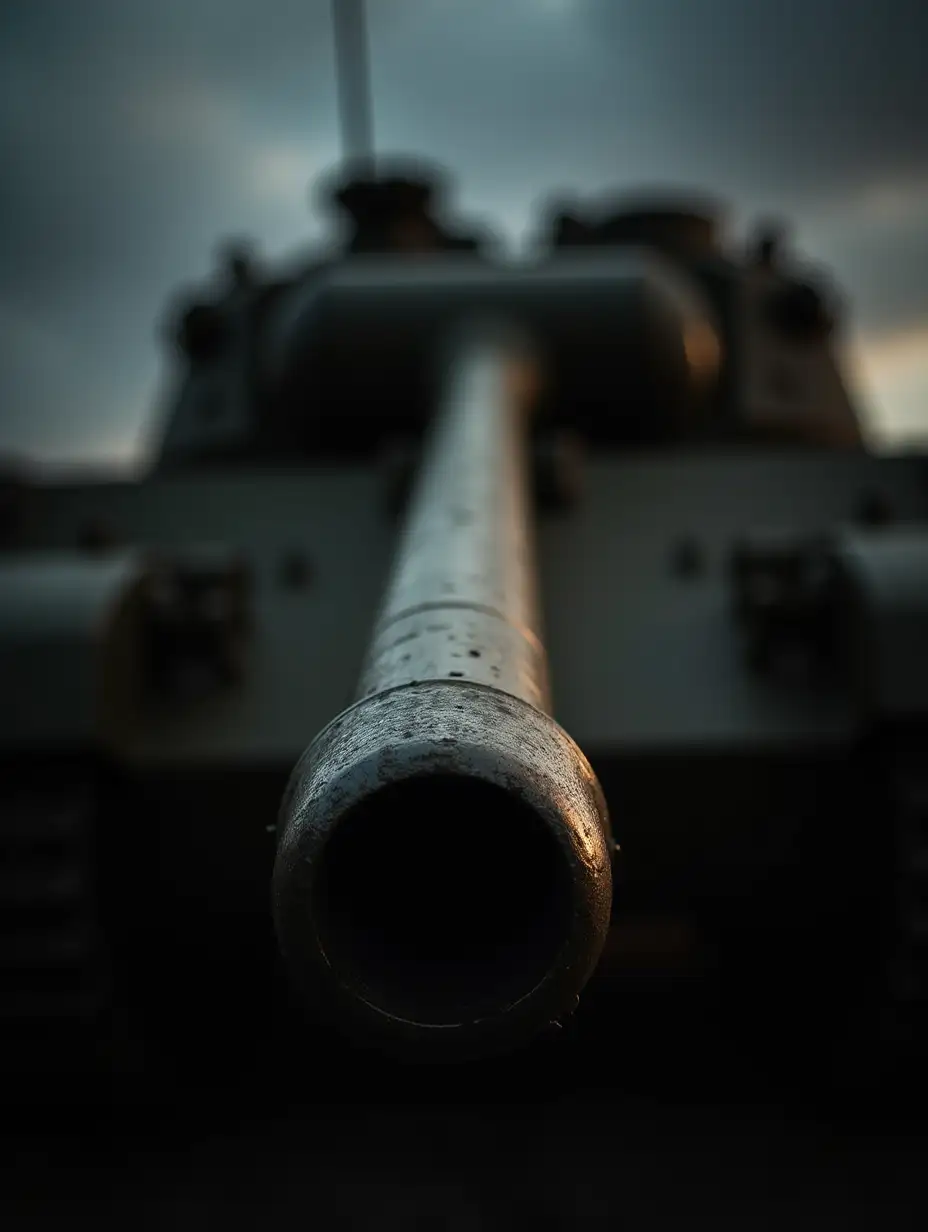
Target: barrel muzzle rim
[(465, 733)]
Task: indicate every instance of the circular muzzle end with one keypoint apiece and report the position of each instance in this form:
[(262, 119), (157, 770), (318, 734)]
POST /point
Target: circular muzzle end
[(443, 881)]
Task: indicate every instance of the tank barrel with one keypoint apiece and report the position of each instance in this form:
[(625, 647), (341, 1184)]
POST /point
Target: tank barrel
[(462, 599), (443, 881)]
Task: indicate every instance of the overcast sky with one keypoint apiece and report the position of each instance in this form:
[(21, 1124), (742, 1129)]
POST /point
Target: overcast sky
[(136, 135)]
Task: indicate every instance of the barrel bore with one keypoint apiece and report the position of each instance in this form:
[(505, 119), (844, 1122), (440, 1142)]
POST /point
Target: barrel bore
[(442, 940), (443, 876)]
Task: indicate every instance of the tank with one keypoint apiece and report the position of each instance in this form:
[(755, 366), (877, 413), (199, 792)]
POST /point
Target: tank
[(487, 639)]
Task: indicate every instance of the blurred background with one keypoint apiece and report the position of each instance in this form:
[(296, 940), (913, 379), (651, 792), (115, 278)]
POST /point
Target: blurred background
[(135, 136)]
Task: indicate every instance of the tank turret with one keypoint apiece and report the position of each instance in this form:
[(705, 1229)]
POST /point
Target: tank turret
[(256, 377)]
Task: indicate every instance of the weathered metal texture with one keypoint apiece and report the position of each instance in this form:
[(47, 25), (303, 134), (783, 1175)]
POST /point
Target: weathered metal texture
[(462, 601), (464, 730), (454, 692)]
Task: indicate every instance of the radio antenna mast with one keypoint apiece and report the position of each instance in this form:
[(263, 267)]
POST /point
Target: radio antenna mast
[(354, 92)]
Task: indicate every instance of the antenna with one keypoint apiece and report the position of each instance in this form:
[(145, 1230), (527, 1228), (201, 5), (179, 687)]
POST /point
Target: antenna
[(353, 73)]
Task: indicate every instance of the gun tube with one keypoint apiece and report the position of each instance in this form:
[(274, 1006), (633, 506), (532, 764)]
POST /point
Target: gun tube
[(443, 880)]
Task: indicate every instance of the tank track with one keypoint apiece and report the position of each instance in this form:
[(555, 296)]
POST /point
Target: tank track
[(907, 1021), (54, 986)]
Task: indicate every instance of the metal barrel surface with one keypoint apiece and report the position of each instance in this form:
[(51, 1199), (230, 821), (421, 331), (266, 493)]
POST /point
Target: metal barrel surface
[(462, 600), (443, 880)]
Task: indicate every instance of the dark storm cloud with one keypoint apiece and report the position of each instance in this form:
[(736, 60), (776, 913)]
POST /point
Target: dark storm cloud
[(123, 126), (883, 269), (797, 96), (785, 99), (113, 129), (134, 135)]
